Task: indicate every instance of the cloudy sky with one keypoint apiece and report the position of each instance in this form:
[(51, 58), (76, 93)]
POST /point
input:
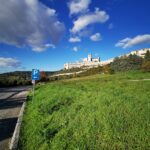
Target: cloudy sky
[(45, 34)]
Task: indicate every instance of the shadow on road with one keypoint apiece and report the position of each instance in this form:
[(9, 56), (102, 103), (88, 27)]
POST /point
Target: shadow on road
[(14, 89), (11, 100), (7, 127), (4, 91), (7, 99), (11, 103)]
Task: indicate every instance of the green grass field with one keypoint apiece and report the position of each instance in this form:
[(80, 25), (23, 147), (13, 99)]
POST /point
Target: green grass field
[(100, 112)]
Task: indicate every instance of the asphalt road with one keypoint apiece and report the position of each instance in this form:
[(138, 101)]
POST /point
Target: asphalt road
[(11, 100)]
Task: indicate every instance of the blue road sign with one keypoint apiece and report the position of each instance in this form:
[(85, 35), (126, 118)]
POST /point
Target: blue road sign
[(35, 74)]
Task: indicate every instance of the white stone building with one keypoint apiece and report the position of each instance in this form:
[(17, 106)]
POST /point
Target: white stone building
[(90, 62), (140, 53)]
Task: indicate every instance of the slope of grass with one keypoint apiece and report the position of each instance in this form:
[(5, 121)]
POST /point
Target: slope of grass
[(91, 113)]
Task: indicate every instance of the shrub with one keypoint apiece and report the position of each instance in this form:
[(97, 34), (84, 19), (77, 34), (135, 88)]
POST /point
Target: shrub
[(146, 66), (147, 56), (127, 63), (108, 69)]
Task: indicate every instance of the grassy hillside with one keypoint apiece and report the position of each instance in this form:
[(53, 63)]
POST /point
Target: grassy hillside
[(93, 113)]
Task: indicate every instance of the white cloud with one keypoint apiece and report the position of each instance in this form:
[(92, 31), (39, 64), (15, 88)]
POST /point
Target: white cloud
[(129, 42), (43, 47), (83, 21), (50, 45), (121, 43), (51, 12), (29, 23), (96, 37), (9, 62), (74, 39), (75, 49), (78, 6)]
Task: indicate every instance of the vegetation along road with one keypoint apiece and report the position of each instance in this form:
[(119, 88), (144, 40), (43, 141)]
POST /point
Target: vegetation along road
[(11, 100)]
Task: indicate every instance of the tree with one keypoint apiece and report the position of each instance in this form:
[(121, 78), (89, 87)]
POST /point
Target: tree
[(146, 66), (147, 56), (134, 62), (126, 63), (43, 76)]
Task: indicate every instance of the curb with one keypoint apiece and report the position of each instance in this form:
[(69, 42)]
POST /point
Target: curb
[(15, 138)]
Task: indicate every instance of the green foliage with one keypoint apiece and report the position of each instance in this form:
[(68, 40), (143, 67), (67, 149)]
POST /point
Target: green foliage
[(127, 63), (147, 56), (146, 63), (20, 78), (95, 112), (6, 81), (146, 66)]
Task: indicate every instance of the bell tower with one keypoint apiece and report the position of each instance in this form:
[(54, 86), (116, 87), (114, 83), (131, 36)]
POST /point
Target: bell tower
[(89, 57)]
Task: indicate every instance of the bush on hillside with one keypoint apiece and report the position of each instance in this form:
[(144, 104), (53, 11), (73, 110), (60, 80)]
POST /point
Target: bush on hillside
[(13, 81), (146, 66), (127, 63), (108, 69), (147, 56)]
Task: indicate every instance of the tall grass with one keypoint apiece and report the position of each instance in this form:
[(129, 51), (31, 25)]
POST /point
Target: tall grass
[(92, 113)]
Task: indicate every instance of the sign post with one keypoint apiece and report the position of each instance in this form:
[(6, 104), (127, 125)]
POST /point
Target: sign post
[(35, 77)]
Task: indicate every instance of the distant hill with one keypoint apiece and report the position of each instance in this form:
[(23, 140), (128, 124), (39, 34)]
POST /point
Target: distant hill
[(24, 74), (18, 78)]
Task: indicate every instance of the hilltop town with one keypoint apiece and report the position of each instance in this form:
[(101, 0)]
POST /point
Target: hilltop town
[(91, 62)]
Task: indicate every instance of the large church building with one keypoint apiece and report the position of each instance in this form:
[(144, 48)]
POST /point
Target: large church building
[(86, 62)]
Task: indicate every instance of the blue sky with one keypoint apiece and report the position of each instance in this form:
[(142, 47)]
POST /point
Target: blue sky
[(46, 34)]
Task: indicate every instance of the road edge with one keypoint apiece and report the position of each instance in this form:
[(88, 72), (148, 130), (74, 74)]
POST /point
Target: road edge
[(15, 138)]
